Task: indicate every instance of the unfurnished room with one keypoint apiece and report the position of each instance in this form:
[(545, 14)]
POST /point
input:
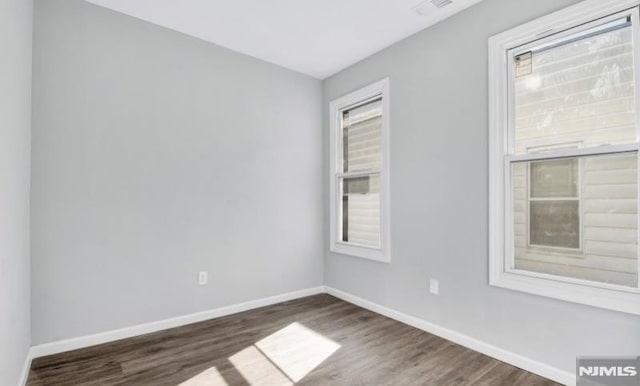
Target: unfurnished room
[(319, 192)]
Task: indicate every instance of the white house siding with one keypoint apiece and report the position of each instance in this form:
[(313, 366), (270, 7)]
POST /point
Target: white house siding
[(364, 149), (364, 215), (582, 95)]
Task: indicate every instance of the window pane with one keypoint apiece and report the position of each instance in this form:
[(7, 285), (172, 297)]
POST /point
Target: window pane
[(361, 211), (555, 178), (593, 237), (362, 137), (576, 89), (554, 223)]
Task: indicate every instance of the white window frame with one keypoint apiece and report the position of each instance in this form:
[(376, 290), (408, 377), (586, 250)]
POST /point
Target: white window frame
[(501, 156), (372, 91)]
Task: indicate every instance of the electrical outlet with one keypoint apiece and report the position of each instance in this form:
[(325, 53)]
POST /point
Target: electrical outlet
[(434, 286), (203, 277)]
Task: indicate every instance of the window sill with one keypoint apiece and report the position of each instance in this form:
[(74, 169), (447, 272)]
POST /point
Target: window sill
[(374, 254), (596, 296)]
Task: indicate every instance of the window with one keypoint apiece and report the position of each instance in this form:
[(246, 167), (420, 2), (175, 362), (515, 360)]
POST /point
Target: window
[(564, 156), (554, 204), (359, 181)]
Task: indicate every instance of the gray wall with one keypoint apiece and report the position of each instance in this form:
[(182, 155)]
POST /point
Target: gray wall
[(439, 199), (155, 156), (16, 18)]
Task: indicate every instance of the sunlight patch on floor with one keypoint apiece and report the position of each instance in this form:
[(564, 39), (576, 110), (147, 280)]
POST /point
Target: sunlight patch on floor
[(297, 350), (209, 377), (258, 369), (284, 357)]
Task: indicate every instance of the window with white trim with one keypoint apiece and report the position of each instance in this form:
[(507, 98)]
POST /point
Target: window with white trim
[(359, 124), (564, 156)]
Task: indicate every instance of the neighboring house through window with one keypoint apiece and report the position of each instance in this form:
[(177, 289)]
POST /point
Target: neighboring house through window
[(554, 205)]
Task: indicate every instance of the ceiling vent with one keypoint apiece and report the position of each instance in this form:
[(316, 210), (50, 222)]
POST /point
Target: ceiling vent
[(426, 8), (441, 3)]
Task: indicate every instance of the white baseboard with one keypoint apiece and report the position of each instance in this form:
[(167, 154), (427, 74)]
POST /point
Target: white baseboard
[(26, 367), (128, 332), (544, 370)]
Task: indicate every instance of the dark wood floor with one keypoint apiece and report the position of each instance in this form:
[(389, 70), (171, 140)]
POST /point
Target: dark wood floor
[(318, 340)]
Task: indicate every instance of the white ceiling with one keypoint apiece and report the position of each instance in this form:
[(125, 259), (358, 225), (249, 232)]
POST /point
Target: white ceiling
[(314, 37)]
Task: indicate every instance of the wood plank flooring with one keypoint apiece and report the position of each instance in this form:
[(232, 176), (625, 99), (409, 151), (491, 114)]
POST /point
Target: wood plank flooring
[(318, 340)]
